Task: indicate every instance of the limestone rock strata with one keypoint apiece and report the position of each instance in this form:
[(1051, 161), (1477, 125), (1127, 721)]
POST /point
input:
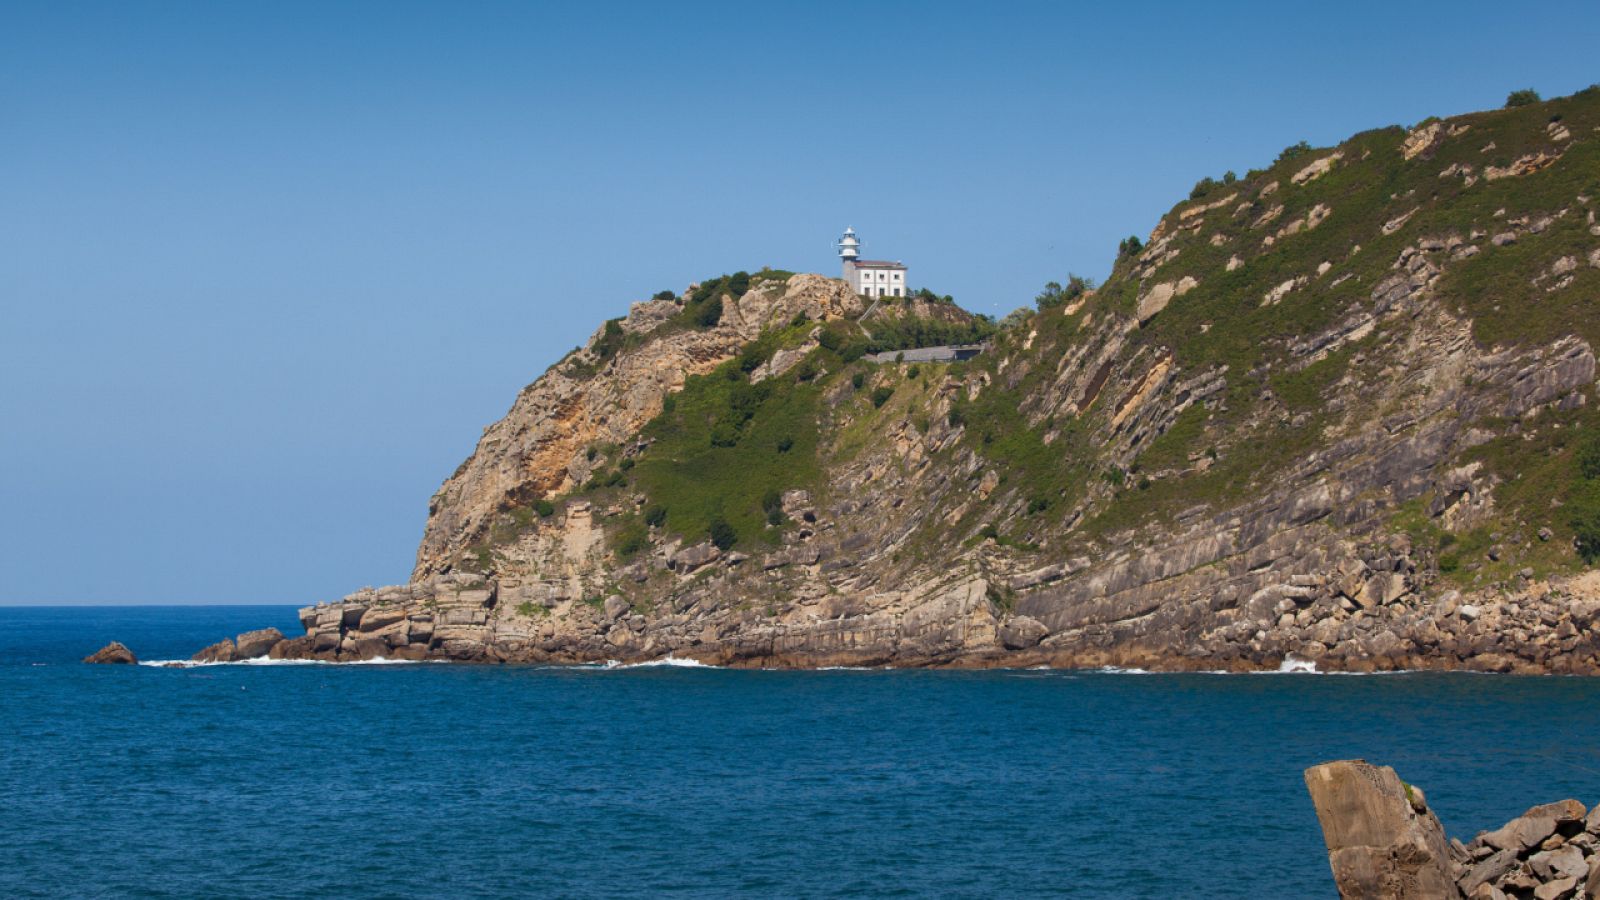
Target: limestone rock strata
[(1385, 844), (1305, 572)]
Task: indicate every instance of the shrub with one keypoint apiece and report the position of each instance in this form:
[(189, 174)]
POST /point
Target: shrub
[(545, 508), (853, 349), (1524, 97), (626, 464), (752, 356), (591, 453), (1589, 457), (669, 403), (655, 515), (722, 534), (1229, 177), (665, 295), (913, 370), (989, 532), (785, 444), (857, 380), (1130, 246), (881, 395), (772, 505), (1292, 151), (1202, 187), (709, 313), (1038, 505), (957, 418), (631, 540), (831, 339)]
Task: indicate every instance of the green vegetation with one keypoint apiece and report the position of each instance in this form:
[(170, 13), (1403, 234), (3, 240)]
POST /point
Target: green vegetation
[(1303, 389), (544, 508), (911, 332), (1173, 447), (703, 308), (722, 534), (723, 447), (1584, 499), (1524, 97), (1055, 295), (881, 395)]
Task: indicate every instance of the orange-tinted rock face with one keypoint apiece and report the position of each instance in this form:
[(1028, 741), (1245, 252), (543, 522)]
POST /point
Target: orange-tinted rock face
[(537, 450)]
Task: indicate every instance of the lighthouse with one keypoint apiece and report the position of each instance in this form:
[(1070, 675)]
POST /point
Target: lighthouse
[(870, 277), (849, 246)]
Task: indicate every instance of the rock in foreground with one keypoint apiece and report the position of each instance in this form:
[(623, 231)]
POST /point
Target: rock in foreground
[(1382, 839), (1383, 842), (113, 653)]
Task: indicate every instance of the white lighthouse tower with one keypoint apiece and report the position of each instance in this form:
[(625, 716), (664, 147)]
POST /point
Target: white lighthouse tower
[(870, 278), (849, 246)]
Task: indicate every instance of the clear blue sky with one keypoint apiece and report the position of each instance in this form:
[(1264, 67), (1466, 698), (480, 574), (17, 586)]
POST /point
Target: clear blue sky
[(266, 270)]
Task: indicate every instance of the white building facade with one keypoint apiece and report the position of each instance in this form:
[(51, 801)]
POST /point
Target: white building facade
[(870, 277)]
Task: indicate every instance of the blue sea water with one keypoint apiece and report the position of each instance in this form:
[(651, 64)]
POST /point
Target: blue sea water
[(433, 780)]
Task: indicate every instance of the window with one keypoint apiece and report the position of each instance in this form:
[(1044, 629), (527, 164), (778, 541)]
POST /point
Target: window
[(897, 292), (896, 276)]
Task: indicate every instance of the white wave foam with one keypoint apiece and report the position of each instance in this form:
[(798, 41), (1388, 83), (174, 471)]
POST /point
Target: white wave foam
[(265, 661), (1119, 670), (1294, 664), (663, 661)]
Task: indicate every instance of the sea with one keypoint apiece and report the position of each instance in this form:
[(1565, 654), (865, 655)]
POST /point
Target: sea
[(444, 780)]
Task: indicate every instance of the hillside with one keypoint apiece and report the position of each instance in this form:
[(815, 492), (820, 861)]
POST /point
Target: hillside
[(1337, 410)]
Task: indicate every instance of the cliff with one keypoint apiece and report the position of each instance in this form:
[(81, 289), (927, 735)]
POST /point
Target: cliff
[(1338, 411)]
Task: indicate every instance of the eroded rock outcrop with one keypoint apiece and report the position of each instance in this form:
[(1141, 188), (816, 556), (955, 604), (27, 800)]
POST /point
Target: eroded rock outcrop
[(113, 653), (1383, 842)]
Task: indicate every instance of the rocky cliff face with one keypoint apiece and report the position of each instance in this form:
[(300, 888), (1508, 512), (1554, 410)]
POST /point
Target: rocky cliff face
[(591, 397), (1336, 412)]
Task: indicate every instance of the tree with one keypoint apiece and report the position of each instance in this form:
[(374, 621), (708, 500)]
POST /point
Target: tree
[(665, 295), (1294, 150), (1055, 295), (1130, 246), (1524, 97), (1015, 318)]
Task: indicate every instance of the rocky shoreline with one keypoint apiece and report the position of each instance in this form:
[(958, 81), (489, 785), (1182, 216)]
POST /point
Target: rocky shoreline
[(1548, 628), (1384, 843)]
